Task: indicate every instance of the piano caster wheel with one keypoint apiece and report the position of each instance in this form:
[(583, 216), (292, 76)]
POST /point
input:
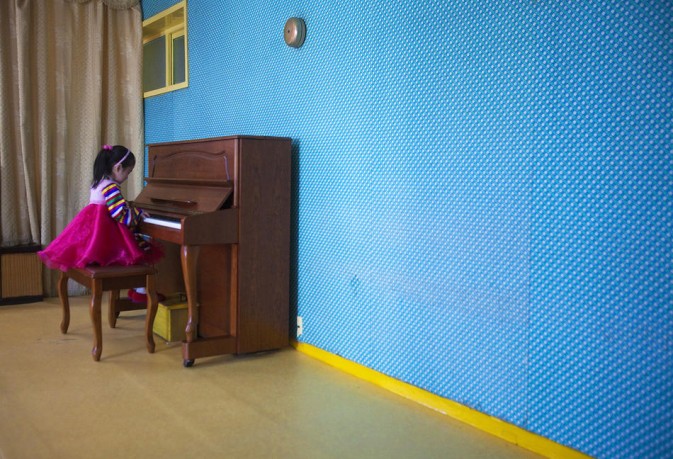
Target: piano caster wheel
[(188, 363)]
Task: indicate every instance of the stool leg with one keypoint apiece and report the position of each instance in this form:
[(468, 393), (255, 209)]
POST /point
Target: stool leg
[(152, 301), (94, 310), (65, 305), (112, 310)]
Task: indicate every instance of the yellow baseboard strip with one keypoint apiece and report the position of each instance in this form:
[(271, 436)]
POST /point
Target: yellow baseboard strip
[(490, 424)]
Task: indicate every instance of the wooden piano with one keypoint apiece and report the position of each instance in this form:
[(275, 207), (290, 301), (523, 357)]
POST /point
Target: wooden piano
[(221, 207)]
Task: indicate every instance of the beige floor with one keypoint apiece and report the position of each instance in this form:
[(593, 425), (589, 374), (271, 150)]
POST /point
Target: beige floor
[(56, 402)]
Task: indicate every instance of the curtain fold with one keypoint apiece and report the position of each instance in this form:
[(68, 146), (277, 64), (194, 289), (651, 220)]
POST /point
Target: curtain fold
[(116, 4), (70, 81)]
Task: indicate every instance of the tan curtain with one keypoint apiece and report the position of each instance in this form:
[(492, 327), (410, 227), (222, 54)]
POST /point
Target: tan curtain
[(70, 81)]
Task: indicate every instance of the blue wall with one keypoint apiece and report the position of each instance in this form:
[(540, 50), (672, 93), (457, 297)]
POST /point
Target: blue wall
[(483, 194)]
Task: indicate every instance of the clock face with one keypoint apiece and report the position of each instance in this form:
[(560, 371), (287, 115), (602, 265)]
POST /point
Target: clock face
[(294, 32)]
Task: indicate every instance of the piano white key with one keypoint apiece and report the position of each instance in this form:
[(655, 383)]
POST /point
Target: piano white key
[(166, 223)]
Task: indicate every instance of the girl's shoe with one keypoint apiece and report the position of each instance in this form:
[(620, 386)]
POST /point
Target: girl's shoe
[(136, 297)]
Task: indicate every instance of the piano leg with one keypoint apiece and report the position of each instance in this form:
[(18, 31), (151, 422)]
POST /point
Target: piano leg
[(189, 257)]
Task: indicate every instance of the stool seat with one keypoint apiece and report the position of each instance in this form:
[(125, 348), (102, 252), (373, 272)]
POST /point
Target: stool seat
[(110, 278)]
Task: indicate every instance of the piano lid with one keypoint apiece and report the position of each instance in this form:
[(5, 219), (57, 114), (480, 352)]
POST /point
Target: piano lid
[(183, 197), (189, 178)]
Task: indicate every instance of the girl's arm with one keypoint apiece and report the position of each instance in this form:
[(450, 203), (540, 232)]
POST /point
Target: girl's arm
[(119, 209)]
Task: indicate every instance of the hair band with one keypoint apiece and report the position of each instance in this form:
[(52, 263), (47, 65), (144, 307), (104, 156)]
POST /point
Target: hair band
[(128, 152), (107, 147)]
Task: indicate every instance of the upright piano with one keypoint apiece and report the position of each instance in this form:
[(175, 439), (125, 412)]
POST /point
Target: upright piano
[(221, 207)]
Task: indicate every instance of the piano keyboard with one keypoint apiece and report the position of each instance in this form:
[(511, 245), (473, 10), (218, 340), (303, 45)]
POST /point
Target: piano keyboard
[(176, 224)]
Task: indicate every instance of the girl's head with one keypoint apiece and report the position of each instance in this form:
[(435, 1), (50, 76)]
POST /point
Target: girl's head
[(115, 163)]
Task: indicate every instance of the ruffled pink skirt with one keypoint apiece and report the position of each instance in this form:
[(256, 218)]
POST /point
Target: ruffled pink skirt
[(94, 238)]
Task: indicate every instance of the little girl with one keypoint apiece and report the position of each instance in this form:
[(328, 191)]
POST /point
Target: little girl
[(105, 232)]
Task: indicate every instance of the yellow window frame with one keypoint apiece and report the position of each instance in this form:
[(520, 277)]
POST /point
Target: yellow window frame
[(170, 24)]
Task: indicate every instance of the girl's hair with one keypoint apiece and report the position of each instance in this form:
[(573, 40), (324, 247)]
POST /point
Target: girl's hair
[(107, 159)]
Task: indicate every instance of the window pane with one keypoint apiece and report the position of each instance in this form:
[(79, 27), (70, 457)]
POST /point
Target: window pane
[(154, 64), (179, 60)]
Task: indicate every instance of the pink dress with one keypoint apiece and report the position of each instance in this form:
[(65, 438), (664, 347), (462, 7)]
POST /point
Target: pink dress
[(101, 234)]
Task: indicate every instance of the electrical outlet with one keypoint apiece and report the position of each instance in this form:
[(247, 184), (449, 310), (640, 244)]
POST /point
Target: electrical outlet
[(300, 326)]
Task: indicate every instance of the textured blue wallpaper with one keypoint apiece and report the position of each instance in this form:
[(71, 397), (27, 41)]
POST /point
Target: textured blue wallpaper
[(483, 194)]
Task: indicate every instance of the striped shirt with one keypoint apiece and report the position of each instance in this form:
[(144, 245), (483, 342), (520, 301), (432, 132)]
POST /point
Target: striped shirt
[(109, 193)]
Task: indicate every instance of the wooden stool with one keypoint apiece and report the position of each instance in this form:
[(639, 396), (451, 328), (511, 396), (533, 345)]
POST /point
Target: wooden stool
[(110, 278)]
